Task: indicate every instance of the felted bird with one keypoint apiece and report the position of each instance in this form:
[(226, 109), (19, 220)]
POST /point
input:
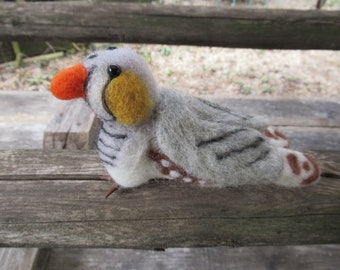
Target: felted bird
[(149, 133)]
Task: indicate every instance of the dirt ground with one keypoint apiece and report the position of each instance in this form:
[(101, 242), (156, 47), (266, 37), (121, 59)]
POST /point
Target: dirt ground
[(211, 70)]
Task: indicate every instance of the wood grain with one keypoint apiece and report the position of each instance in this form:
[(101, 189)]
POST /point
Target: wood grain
[(50, 199), (49, 164), (55, 135), (288, 111), (84, 129), (26, 105), (44, 206), (311, 257), (73, 213), (312, 138), (23, 118), (84, 165), (74, 126), (147, 23), (311, 122), (18, 258)]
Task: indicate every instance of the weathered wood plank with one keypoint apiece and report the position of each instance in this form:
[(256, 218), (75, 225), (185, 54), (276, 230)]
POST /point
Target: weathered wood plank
[(56, 132), (157, 215), (288, 112), (312, 257), (313, 138), (166, 214), (84, 130), (18, 258), (147, 23), (23, 118), (21, 135), (73, 127), (44, 164), (62, 164), (30, 106)]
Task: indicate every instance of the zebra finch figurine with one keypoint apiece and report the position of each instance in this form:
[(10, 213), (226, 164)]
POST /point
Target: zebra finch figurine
[(149, 133)]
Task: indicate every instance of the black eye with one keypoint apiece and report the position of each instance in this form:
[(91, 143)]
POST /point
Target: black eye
[(112, 48), (114, 71)]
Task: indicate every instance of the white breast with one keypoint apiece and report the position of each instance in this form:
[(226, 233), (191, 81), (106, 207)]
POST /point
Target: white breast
[(124, 154)]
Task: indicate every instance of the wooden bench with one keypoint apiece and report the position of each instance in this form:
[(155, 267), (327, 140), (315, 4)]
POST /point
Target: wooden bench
[(54, 198), (170, 24), (305, 121)]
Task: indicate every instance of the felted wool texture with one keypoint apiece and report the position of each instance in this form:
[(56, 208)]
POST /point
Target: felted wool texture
[(214, 143), (275, 137), (128, 99), (98, 78), (68, 84), (303, 170), (123, 151)]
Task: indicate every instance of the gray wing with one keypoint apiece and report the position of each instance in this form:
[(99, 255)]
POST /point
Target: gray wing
[(214, 143)]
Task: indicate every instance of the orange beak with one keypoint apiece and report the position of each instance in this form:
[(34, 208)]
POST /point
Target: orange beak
[(69, 83)]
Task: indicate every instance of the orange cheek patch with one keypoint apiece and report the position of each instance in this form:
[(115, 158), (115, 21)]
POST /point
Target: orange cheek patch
[(128, 99), (69, 83)]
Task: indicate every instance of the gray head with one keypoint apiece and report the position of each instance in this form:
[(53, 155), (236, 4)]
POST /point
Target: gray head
[(116, 83)]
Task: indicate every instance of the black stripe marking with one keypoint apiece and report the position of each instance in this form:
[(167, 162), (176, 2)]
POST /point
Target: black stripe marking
[(102, 149), (92, 56), (224, 109), (104, 158), (107, 155), (89, 75), (108, 162), (105, 106), (256, 143), (100, 140), (116, 136), (220, 138), (262, 156)]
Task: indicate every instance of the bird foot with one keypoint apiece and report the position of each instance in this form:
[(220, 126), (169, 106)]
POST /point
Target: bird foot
[(115, 187), (112, 189), (107, 177)]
